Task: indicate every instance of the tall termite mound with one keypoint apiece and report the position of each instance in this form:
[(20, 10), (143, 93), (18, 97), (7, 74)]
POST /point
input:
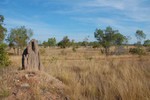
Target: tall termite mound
[(31, 57)]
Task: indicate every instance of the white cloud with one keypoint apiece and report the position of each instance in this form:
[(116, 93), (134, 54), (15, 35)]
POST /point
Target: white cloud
[(124, 15), (117, 4), (134, 9)]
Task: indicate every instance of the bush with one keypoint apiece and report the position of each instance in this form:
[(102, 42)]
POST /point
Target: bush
[(138, 51), (95, 46), (74, 48), (4, 59), (65, 42), (147, 49)]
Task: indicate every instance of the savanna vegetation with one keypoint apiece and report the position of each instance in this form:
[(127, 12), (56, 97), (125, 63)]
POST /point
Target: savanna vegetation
[(107, 69)]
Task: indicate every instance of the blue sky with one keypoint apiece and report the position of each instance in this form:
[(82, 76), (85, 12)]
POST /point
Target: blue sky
[(77, 19)]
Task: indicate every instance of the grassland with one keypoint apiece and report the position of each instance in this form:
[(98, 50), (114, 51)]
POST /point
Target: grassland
[(89, 75)]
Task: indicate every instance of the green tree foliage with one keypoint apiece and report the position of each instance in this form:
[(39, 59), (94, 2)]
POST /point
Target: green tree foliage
[(65, 42), (19, 36), (119, 39), (45, 44), (3, 30), (147, 43), (140, 35), (73, 43), (94, 44), (138, 51), (4, 59), (85, 42), (51, 42), (109, 37)]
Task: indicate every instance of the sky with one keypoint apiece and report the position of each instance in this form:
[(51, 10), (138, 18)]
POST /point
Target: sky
[(77, 19)]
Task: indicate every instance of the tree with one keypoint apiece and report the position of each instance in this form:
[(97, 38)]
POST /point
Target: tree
[(72, 43), (109, 37), (127, 42), (3, 30), (4, 59), (147, 43), (119, 39), (51, 42), (85, 42), (65, 42), (45, 44), (140, 35), (19, 37), (94, 44)]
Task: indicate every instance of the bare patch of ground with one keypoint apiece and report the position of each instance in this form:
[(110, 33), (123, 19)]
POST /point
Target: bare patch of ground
[(30, 85)]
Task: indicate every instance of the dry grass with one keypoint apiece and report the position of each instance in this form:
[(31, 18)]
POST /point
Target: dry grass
[(92, 76), (30, 85)]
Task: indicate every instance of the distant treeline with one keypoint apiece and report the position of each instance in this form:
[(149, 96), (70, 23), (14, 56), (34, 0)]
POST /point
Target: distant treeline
[(51, 42), (18, 37)]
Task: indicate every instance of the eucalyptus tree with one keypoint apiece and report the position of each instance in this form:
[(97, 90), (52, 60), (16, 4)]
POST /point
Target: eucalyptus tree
[(65, 42), (109, 37), (3, 30), (4, 59), (19, 37), (140, 35)]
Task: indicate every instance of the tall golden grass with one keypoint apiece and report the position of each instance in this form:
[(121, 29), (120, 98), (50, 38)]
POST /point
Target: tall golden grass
[(89, 75)]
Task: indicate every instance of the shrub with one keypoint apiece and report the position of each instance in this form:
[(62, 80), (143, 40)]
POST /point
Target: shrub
[(4, 93), (95, 45), (147, 49), (4, 59), (138, 51), (74, 48), (65, 42)]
